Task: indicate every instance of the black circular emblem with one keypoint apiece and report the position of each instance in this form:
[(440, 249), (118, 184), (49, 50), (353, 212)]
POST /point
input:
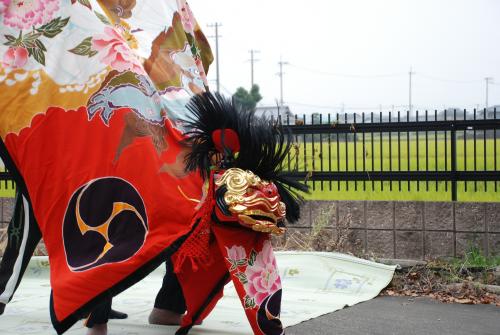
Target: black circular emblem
[(269, 313), (105, 222)]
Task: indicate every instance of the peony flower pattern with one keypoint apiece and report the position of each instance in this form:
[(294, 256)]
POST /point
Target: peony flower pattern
[(31, 44), (24, 14), (114, 51), (262, 276), (236, 254), (16, 57)]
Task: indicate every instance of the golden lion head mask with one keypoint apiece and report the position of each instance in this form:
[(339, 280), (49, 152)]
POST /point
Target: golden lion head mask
[(254, 202)]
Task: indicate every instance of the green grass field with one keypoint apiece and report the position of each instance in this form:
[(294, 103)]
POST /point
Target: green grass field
[(7, 189), (330, 158), (335, 160)]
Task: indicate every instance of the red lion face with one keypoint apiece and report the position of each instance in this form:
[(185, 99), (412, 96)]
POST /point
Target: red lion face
[(254, 203)]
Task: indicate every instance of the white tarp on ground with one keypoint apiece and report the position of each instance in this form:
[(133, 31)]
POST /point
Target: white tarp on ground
[(313, 284)]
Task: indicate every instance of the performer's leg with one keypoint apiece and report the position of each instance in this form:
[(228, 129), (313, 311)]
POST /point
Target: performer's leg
[(169, 303), (23, 237), (97, 321)]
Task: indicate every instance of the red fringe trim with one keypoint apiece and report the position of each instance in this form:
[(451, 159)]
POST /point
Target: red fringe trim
[(196, 247)]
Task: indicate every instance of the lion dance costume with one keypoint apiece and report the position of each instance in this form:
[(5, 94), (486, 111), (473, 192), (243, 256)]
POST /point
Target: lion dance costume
[(123, 160)]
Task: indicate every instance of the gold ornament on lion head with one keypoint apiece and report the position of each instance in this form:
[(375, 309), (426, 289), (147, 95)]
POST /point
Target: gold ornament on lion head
[(254, 202)]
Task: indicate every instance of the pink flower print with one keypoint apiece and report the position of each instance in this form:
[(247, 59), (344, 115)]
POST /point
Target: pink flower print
[(187, 17), (16, 57), (3, 5), (115, 52), (24, 14), (236, 255), (263, 277)]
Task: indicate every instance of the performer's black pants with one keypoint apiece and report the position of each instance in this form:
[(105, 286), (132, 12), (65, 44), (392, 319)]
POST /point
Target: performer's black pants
[(169, 298), (23, 236), (99, 315)]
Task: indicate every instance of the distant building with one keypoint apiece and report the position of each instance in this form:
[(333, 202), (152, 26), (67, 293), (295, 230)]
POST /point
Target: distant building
[(490, 112), (274, 112), (460, 114)]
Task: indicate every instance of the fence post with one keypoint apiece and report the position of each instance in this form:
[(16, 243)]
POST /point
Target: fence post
[(453, 163)]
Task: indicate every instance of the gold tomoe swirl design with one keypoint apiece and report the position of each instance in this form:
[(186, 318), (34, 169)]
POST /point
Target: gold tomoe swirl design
[(105, 222)]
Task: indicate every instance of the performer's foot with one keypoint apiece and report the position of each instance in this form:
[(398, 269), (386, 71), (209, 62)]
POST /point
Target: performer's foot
[(117, 315), (164, 317), (2, 308), (99, 329)]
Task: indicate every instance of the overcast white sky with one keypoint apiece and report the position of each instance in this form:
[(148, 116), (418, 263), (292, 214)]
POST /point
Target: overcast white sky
[(455, 40)]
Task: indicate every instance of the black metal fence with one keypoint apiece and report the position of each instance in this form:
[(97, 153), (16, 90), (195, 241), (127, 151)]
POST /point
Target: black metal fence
[(399, 149), (392, 150), (6, 181)]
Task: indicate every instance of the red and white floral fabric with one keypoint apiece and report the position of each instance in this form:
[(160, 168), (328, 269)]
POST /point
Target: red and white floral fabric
[(248, 258)]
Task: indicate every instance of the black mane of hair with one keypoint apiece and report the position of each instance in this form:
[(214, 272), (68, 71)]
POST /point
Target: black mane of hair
[(263, 145)]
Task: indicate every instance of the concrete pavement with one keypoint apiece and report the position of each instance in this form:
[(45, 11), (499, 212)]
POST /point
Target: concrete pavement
[(404, 316)]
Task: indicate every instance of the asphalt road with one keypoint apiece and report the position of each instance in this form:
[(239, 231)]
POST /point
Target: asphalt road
[(404, 316)]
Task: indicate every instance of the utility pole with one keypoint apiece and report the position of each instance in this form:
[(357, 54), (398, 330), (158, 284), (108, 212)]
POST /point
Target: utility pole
[(411, 73), (280, 74), (252, 61), (487, 80), (216, 26)]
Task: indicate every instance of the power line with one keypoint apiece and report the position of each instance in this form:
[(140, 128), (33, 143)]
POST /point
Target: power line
[(449, 80), (344, 75), (387, 75)]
